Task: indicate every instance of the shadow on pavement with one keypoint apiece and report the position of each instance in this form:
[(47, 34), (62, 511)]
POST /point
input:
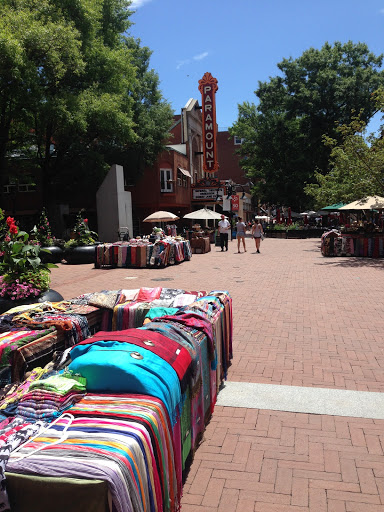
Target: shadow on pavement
[(351, 262)]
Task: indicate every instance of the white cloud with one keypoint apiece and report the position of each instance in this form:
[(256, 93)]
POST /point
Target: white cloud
[(201, 56), (182, 63), (136, 4)]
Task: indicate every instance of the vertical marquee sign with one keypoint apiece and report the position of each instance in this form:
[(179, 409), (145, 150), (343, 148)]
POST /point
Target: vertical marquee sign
[(208, 87)]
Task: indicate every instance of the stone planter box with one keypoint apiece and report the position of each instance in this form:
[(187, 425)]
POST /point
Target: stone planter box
[(296, 233), (57, 254), (315, 233), (276, 234), (48, 296), (81, 254)]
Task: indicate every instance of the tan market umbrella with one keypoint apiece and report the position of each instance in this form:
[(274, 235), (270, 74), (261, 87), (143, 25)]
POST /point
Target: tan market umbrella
[(203, 214), (367, 203), (161, 216)]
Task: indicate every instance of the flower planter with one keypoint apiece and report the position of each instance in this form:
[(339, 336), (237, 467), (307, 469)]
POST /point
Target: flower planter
[(296, 233), (48, 296), (80, 254), (279, 233), (57, 254), (315, 233)]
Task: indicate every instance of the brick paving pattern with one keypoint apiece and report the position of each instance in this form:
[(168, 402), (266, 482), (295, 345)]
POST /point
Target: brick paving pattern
[(299, 319)]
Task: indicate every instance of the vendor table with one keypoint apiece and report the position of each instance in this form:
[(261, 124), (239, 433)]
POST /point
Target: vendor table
[(142, 254), (365, 245), (127, 443), (200, 245)]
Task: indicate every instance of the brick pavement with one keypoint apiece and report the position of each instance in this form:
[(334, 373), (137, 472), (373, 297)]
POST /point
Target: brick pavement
[(299, 319)]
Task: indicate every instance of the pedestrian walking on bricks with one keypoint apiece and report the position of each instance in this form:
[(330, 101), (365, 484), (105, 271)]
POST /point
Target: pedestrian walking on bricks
[(257, 233), (224, 227), (240, 230)]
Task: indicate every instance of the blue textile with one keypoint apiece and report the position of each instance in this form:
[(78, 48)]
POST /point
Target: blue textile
[(109, 366)]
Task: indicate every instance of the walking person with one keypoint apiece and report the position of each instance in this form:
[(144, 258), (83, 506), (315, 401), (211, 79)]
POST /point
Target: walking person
[(257, 233), (224, 227), (240, 229)]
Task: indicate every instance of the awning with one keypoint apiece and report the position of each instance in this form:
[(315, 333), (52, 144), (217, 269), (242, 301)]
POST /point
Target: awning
[(367, 203), (333, 207), (185, 172)]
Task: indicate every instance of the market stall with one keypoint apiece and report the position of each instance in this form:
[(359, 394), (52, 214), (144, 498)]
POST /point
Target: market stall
[(201, 238), (361, 234), (365, 245), (143, 252), (118, 415), (200, 244)]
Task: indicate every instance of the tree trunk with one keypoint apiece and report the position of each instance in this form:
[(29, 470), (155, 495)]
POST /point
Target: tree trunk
[(4, 138)]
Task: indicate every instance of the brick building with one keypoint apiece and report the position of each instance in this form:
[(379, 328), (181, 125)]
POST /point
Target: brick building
[(169, 183)]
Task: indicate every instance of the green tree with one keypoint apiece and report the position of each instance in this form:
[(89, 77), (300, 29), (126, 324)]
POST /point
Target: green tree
[(313, 95), (36, 54), (152, 117), (356, 165), (77, 93)]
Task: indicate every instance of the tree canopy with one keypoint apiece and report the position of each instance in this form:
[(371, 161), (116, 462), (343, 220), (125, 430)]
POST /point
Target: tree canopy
[(75, 92), (311, 97), (357, 164)]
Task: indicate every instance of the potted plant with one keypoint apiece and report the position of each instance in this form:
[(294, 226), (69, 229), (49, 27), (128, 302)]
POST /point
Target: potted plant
[(24, 279), (81, 247), (43, 235), (294, 231)]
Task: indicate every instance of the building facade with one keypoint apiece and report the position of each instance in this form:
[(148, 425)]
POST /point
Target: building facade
[(175, 183)]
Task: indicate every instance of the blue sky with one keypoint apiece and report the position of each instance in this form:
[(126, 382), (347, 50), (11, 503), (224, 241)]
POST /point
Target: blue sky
[(240, 42)]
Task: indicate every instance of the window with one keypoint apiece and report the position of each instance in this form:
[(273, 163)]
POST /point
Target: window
[(21, 187), (166, 182), (238, 140), (182, 179)]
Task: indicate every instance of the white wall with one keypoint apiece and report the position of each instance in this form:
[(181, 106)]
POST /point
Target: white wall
[(114, 206)]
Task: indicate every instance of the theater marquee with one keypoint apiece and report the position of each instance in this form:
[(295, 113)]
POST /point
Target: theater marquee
[(208, 87)]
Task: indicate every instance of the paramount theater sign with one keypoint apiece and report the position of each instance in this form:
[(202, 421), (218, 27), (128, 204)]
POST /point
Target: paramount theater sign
[(208, 87)]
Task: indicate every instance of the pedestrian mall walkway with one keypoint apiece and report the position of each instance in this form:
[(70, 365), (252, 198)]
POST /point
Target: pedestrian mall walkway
[(299, 425)]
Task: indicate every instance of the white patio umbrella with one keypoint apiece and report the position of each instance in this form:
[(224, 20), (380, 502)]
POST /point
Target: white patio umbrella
[(366, 203), (308, 214), (203, 214), (161, 216)]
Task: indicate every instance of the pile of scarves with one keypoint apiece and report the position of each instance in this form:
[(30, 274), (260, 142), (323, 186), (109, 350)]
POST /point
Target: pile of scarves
[(334, 243), (126, 440), (141, 253), (150, 392), (30, 335), (47, 398), (134, 306)]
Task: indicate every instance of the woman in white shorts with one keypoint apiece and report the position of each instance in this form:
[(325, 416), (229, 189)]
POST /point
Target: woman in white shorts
[(240, 234), (257, 233)]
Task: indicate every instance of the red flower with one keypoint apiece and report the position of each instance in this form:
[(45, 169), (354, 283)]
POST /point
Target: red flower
[(13, 229), (86, 220), (10, 221)]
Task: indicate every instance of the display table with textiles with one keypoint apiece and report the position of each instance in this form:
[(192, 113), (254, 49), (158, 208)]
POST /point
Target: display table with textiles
[(334, 243), (31, 335), (200, 245), (121, 414), (142, 253)]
